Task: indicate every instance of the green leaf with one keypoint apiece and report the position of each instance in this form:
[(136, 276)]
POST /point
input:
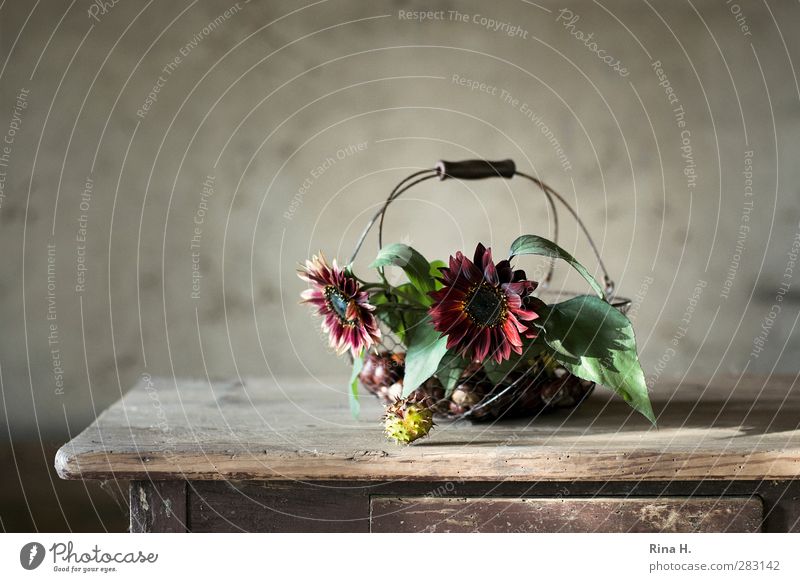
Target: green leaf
[(358, 364), (530, 244), (584, 326), (409, 293), (414, 264), (435, 272), (450, 371), (595, 341), (435, 266), (399, 308), (425, 350), (386, 312)]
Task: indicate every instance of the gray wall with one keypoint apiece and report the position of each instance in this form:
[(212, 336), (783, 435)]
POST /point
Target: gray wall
[(272, 90)]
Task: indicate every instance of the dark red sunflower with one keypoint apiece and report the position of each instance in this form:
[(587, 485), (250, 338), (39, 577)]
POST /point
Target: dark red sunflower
[(482, 307), (345, 308)]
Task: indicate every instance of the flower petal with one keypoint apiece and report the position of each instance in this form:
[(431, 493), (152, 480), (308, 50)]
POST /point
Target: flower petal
[(464, 315)]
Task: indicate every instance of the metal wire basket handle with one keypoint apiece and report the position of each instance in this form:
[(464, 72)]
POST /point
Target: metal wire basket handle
[(479, 170)]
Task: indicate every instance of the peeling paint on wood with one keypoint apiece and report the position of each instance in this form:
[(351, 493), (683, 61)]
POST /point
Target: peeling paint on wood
[(158, 506), (340, 506), (608, 515)]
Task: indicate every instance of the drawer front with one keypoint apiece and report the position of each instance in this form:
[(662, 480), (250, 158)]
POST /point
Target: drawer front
[(597, 514)]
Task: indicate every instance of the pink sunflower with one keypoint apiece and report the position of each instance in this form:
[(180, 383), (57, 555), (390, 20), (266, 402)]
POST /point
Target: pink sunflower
[(482, 307), (345, 308)]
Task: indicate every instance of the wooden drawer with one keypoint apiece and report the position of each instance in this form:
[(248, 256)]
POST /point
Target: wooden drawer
[(597, 514)]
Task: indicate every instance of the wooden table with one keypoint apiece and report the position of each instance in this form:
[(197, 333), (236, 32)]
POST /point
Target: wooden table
[(287, 456)]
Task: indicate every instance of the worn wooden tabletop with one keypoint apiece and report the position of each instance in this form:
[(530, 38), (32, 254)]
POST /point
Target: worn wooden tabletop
[(288, 430)]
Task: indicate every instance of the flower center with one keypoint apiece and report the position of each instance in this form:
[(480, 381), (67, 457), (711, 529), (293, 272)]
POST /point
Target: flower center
[(486, 306), (338, 304)]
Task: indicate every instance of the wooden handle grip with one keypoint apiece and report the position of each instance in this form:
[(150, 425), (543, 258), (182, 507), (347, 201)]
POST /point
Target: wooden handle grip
[(475, 169)]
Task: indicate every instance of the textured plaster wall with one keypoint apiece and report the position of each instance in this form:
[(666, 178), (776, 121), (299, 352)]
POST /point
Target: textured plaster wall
[(273, 130)]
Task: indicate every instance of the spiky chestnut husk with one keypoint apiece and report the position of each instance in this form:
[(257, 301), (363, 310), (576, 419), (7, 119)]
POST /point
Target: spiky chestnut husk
[(407, 420)]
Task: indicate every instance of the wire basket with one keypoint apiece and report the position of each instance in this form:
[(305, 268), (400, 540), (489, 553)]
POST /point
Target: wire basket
[(541, 384)]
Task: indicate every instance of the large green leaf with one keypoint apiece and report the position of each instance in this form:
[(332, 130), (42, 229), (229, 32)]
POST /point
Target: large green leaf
[(584, 326), (358, 364), (412, 262), (595, 341), (426, 348), (530, 244)]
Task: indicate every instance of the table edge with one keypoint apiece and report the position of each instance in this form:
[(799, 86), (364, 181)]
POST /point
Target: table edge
[(595, 466)]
